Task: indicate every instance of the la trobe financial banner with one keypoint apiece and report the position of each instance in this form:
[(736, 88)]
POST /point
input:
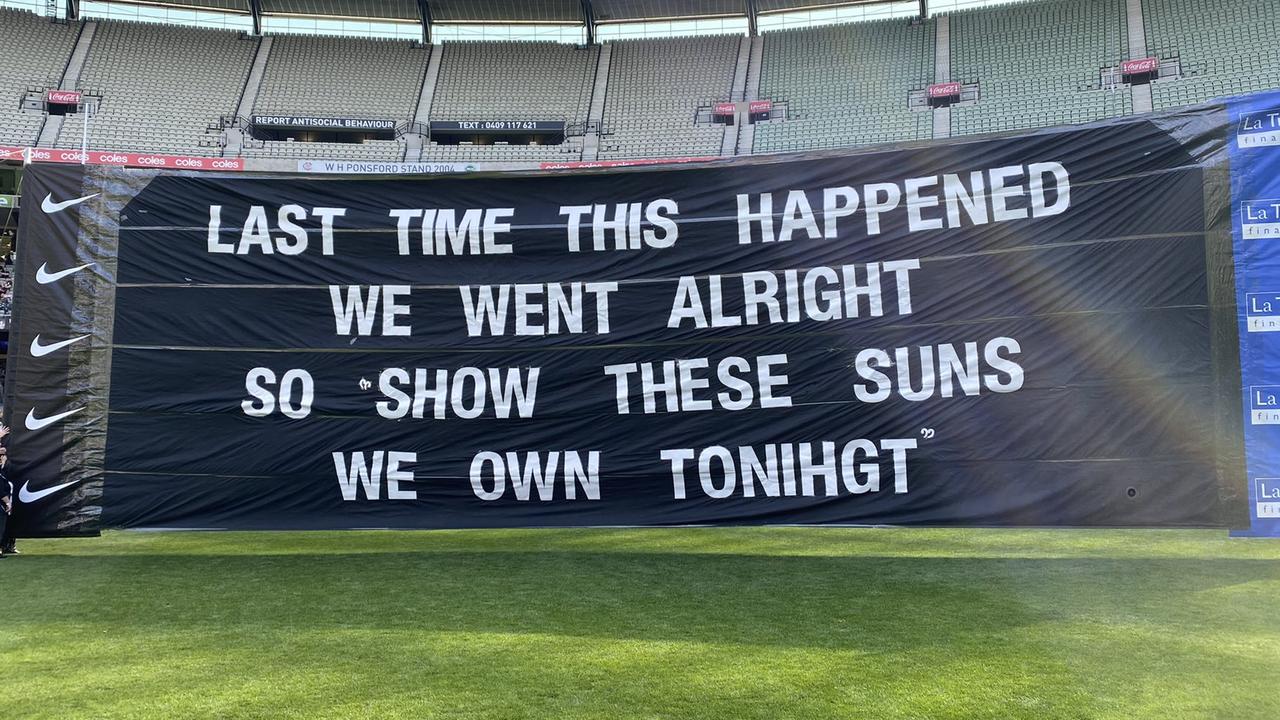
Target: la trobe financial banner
[(1037, 329)]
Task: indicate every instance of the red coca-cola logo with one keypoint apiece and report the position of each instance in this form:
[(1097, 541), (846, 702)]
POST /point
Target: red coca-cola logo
[(1139, 67), (62, 97), (947, 89)]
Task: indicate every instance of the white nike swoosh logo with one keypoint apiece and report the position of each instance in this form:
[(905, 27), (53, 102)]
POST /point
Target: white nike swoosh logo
[(35, 423), (27, 496), (44, 277), (38, 350), (50, 207)]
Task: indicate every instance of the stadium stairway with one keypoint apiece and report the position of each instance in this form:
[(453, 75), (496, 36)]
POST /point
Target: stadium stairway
[(942, 73), (252, 86), (1138, 49), (732, 140), (595, 112), (751, 91), (422, 111), (70, 81)]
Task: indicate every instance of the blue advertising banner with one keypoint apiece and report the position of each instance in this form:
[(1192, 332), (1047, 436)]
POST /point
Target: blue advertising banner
[(1255, 195)]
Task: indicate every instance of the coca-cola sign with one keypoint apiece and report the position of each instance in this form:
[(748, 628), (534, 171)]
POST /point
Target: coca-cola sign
[(1139, 67), (62, 97), (945, 90)]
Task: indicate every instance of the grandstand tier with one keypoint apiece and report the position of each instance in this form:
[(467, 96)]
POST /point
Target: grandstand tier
[(173, 89), (35, 54), (846, 84), (159, 88), (656, 89), (339, 77), (1227, 51), (1038, 64), (512, 81)]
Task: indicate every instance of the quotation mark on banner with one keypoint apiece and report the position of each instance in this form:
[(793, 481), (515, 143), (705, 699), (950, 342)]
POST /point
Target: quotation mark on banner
[(365, 384), (926, 433)]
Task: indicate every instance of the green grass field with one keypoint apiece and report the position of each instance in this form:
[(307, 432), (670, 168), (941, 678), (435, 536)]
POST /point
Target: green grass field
[(690, 623)]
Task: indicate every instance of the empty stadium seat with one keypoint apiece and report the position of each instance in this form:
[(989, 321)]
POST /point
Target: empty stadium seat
[(512, 81), (1038, 64), (35, 51), (340, 77), (1227, 48), (846, 84), (161, 86), (655, 90)]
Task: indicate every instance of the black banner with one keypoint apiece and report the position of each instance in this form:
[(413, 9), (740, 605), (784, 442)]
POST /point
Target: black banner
[(307, 122), (481, 127), (1022, 330)]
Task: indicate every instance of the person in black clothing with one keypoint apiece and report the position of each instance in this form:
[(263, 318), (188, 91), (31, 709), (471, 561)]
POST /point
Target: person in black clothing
[(7, 542), (6, 507)]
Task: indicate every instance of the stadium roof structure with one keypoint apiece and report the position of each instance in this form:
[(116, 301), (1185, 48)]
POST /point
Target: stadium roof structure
[(569, 12)]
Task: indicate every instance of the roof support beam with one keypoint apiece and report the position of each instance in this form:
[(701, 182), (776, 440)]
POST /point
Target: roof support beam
[(73, 9), (255, 9), (589, 21), (924, 9), (753, 18), (424, 16)]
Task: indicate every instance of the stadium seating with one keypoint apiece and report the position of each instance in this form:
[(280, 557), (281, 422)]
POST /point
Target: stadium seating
[(161, 86), (35, 51), (368, 150), (1038, 63), (654, 92), (846, 84), (511, 81), (570, 150), (1228, 50), (340, 77)]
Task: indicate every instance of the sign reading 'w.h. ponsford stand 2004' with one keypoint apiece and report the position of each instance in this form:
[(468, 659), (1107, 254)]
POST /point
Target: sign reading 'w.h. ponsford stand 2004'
[(1027, 330)]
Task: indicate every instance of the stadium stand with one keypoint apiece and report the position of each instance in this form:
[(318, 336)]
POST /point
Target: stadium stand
[(1038, 64), (512, 81), (498, 152), (655, 90), (1225, 47), (340, 77), (161, 86), (35, 52), (165, 88), (845, 84)]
